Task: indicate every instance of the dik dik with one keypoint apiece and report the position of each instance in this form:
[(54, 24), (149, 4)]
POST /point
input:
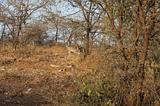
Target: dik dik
[(75, 50)]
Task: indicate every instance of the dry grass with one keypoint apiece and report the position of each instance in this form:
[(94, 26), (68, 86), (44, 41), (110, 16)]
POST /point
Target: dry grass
[(43, 76), (47, 76)]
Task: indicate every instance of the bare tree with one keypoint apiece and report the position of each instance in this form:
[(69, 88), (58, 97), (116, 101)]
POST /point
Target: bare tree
[(91, 14), (20, 12), (132, 24)]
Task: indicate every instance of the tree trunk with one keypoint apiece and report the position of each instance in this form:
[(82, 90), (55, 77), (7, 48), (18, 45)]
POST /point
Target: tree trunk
[(56, 37), (87, 41), (3, 32), (141, 70)]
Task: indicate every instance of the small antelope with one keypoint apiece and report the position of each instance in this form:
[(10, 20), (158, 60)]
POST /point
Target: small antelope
[(76, 51), (73, 50)]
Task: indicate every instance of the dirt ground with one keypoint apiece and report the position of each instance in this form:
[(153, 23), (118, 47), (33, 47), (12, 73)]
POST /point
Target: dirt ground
[(45, 77)]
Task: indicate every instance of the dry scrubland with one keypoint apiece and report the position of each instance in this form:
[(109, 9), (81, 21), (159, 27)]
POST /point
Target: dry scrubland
[(34, 76), (117, 62), (48, 76)]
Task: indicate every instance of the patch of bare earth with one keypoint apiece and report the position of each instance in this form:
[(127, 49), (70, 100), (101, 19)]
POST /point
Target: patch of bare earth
[(44, 78)]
